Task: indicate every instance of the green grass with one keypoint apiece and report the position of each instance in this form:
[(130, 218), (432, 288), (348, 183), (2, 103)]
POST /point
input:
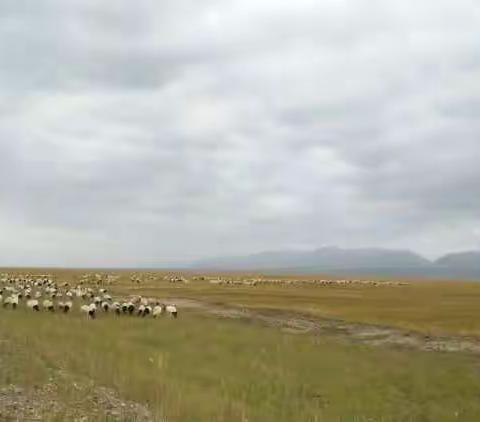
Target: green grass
[(434, 307), (198, 368), (429, 307)]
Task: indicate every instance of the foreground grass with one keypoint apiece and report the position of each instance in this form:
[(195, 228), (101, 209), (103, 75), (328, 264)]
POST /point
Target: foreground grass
[(202, 369)]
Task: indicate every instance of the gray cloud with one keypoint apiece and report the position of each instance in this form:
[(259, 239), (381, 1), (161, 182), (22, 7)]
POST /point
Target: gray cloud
[(148, 132)]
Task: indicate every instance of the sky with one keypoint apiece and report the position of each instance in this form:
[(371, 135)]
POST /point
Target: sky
[(152, 132)]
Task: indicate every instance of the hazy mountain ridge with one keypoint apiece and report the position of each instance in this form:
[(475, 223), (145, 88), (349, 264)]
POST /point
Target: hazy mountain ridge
[(362, 261), (468, 259)]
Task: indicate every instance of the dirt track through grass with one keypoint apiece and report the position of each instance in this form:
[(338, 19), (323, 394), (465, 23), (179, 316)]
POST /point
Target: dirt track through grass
[(370, 334)]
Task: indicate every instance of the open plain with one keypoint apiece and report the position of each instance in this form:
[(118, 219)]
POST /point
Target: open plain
[(244, 347)]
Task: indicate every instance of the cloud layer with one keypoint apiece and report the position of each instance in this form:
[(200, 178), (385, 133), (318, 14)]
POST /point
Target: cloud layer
[(142, 133)]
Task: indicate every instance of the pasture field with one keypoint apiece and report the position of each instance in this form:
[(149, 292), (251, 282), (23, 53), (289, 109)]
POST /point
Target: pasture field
[(202, 368), (432, 307)]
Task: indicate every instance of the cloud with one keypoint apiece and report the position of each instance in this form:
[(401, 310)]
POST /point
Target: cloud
[(151, 132)]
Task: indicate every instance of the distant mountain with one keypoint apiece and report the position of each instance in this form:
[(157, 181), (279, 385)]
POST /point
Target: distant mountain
[(364, 261), (468, 259), (322, 259)]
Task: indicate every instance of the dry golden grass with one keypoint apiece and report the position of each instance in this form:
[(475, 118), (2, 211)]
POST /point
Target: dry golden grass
[(199, 368), (435, 307)]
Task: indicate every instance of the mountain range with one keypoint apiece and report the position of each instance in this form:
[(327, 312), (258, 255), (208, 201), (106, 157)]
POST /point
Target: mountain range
[(363, 261)]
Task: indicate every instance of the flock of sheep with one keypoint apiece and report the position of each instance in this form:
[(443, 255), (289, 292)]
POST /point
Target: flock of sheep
[(43, 293), (258, 281), (306, 282)]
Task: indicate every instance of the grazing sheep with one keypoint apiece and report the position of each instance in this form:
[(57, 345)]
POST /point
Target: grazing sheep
[(89, 310), (172, 310), (141, 311), (116, 307), (158, 310), (48, 305), (105, 306), (33, 305), (65, 306), (11, 300)]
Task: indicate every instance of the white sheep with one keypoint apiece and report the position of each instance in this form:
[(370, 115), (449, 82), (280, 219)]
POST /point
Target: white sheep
[(11, 300), (65, 306), (33, 305), (172, 310), (116, 307), (89, 310), (48, 305), (158, 310)]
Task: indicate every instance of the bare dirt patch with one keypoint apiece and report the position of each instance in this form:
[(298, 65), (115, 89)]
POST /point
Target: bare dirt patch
[(85, 402)]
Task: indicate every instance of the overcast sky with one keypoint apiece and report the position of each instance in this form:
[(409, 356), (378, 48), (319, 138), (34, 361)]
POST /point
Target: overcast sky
[(144, 132)]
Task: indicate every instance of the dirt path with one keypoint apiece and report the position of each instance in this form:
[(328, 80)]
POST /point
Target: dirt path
[(355, 332)]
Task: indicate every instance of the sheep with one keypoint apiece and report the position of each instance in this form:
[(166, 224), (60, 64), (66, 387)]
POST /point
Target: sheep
[(158, 310), (141, 310), (14, 300), (48, 305), (93, 308), (172, 310), (97, 300), (33, 305), (105, 306), (65, 306), (116, 307), (89, 310), (11, 300)]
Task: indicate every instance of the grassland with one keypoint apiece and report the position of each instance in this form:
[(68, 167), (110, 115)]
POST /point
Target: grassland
[(437, 308), (200, 368)]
